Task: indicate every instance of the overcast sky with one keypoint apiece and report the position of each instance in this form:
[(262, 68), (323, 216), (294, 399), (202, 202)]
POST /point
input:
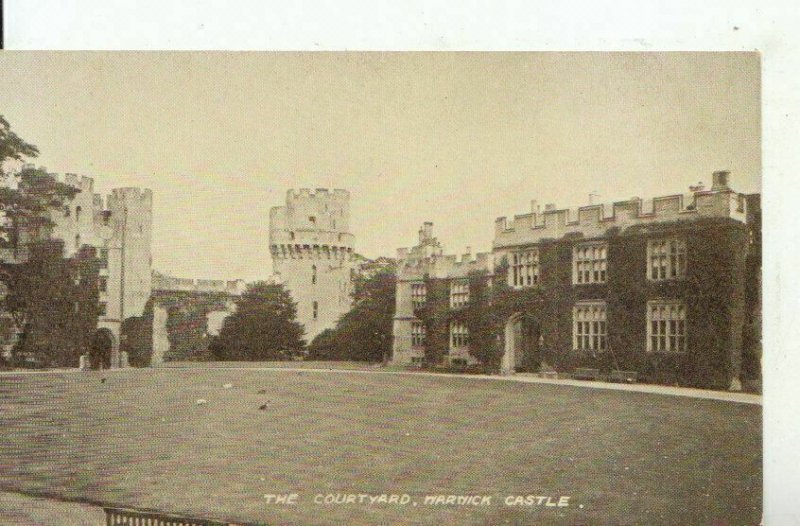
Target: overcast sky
[(457, 139)]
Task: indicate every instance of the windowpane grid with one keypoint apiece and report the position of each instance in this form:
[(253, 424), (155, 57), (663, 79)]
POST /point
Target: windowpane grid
[(589, 326), (459, 335), (524, 268), (666, 326), (590, 264), (667, 259), (459, 293), (418, 295), (417, 334)]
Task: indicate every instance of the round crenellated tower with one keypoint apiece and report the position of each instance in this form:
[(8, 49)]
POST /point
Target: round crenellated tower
[(312, 254)]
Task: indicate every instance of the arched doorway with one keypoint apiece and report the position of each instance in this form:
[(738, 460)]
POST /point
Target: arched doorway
[(521, 346), (101, 348)]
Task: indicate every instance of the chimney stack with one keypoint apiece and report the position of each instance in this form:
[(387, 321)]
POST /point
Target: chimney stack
[(699, 187), (549, 207), (721, 179)]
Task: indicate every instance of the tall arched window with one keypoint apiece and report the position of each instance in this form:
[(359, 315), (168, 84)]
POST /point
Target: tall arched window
[(316, 309), (78, 214), (313, 274), (77, 241)]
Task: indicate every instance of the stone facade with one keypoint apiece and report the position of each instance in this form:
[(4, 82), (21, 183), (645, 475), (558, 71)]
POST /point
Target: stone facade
[(417, 266), (313, 256), (119, 229), (659, 287)]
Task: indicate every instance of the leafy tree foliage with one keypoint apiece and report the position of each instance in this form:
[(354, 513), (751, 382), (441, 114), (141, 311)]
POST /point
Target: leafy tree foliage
[(137, 337), (264, 327), (53, 302), (12, 147), (27, 205), (27, 208), (365, 332)]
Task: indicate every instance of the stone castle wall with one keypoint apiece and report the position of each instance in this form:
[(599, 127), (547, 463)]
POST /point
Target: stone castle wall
[(119, 228)]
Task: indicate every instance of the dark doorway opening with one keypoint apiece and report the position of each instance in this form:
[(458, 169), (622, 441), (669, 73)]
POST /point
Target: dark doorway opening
[(522, 344), (100, 351)]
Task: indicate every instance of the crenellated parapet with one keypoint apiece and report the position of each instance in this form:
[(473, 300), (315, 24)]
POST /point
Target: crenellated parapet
[(595, 220), (322, 194), (311, 218), (165, 283), (428, 260), (80, 182), (131, 196)]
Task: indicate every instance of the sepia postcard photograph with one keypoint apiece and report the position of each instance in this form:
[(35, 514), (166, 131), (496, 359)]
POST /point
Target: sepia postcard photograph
[(244, 288)]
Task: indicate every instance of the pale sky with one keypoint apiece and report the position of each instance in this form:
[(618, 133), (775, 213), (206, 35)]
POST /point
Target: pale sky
[(454, 138)]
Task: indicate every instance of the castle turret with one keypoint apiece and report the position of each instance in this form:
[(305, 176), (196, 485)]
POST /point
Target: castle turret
[(312, 254)]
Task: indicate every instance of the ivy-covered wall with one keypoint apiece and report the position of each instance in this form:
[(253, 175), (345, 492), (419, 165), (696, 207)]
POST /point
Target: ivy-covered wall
[(713, 289), (435, 316), (186, 327), (137, 337)]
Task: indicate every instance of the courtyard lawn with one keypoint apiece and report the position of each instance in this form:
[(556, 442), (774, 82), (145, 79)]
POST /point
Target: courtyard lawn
[(139, 439)]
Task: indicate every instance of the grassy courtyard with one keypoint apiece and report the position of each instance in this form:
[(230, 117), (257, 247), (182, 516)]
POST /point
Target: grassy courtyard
[(140, 439)]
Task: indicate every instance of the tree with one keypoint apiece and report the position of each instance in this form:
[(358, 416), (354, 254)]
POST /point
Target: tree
[(53, 304), (365, 332), (27, 206), (12, 147), (264, 327), (136, 337), (52, 300)]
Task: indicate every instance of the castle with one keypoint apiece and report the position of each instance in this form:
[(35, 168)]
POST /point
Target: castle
[(118, 229), (312, 254), (669, 288)]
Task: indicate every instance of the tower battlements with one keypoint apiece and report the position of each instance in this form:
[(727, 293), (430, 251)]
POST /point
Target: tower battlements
[(318, 193), (312, 223), (81, 182), (132, 195)]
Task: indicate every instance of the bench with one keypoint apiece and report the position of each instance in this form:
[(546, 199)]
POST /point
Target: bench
[(582, 373), (628, 377)]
